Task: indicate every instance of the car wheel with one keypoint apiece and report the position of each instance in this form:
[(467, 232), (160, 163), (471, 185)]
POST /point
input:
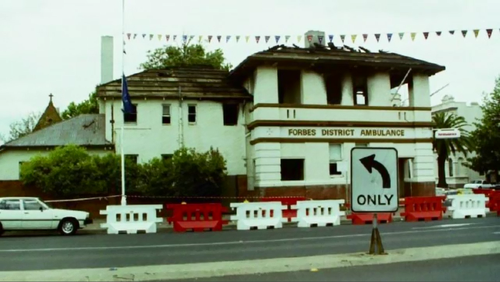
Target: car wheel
[(68, 226)]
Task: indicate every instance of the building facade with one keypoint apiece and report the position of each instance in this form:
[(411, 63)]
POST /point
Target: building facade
[(457, 175)]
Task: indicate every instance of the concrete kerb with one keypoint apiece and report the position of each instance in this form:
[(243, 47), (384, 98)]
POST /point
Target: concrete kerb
[(214, 269)]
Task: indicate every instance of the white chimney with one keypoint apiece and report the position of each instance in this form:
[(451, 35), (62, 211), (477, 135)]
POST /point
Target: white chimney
[(314, 36), (106, 58)]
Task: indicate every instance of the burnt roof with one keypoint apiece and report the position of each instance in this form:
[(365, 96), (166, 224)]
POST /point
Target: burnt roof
[(197, 82), (332, 57)]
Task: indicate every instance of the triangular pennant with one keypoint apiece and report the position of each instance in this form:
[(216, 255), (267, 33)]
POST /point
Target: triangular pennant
[(287, 37), (210, 38), (135, 35), (365, 36), (389, 37), (451, 32), (377, 36), (330, 37), (257, 38), (159, 36), (200, 37), (184, 38), (167, 37), (413, 34), (464, 32), (320, 39), (489, 31), (247, 38), (174, 37), (151, 36), (426, 34), (309, 38), (299, 38), (342, 37), (277, 38), (128, 36), (219, 37), (237, 38), (438, 33), (353, 37), (227, 38), (144, 35), (401, 34), (266, 38), (476, 32), (191, 37)]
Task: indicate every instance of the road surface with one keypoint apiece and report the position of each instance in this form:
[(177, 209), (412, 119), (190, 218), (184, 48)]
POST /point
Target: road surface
[(474, 268), (103, 251)]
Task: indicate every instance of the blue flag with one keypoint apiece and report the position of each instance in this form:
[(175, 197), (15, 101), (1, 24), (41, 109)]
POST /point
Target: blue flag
[(128, 108)]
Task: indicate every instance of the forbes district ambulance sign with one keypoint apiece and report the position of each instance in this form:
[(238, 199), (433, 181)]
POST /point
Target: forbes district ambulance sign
[(374, 180)]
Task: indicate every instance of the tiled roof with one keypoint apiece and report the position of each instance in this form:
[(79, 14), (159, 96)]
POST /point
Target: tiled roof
[(83, 130)]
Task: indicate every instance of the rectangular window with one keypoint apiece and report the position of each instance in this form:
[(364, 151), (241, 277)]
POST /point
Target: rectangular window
[(292, 169), (360, 89), (335, 158), (131, 158), (165, 118), (333, 85), (129, 118), (289, 89), (230, 114), (192, 114)]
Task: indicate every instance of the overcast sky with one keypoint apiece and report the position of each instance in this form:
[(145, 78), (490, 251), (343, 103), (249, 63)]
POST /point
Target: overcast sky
[(53, 46)]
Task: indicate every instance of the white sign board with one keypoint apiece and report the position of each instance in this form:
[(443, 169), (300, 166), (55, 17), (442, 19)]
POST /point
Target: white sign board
[(374, 180), (447, 133)]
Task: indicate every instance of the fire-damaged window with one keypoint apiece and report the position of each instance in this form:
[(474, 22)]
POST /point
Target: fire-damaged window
[(360, 89), (131, 117), (335, 158), (230, 114), (333, 85), (289, 87), (292, 169)]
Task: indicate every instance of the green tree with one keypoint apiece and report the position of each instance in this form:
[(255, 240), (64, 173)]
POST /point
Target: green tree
[(22, 127), (185, 55), (88, 106), (444, 148), (486, 136)]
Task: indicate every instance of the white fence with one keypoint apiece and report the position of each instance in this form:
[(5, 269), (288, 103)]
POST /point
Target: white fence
[(260, 215), (131, 219), (319, 213)]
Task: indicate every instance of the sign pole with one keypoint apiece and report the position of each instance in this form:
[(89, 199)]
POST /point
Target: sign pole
[(376, 246)]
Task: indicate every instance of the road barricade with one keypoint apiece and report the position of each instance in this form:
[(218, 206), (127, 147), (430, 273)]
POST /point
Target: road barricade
[(494, 202), (197, 217), (131, 218), (367, 218), (485, 192), (468, 206), (258, 215), (318, 213), (424, 208), (290, 213)]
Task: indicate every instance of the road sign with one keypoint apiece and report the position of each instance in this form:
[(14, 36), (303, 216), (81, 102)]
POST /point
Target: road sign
[(374, 179), (447, 133)]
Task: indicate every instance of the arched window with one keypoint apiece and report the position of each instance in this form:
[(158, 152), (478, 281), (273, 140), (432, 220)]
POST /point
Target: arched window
[(450, 167)]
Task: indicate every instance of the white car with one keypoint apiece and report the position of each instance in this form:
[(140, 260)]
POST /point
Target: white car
[(29, 213)]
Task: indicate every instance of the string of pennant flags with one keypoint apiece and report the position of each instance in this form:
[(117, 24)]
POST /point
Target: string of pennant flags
[(291, 39)]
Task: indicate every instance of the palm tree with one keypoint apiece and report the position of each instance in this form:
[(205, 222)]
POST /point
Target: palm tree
[(446, 147)]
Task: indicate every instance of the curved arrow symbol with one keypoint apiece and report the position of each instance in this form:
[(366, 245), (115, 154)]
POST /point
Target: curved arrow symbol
[(370, 163)]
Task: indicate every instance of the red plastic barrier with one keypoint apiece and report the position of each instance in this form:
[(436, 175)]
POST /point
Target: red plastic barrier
[(367, 218), (424, 208), (197, 217), (486, 192), (494, 202), (289, 213)]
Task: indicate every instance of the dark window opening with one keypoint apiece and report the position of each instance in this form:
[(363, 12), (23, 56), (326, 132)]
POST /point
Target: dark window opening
[(230, 114), (289, 87), (192, 113), (131, 117), (131, 158), (360, 89), (334, 170), (292, 169), (165, 118), (333, 85)]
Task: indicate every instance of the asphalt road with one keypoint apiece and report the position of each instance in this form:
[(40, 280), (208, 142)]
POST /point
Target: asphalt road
[(96, 251), (474, 268)]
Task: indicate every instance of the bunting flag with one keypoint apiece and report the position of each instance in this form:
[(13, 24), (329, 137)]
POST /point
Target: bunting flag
[(170, 38)]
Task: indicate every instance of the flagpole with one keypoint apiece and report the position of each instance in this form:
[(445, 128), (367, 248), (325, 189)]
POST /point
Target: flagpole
[(123, 198)]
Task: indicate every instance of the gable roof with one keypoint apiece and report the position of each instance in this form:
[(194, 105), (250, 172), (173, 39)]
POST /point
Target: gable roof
[(83, 130), (197, 82), (343, 57)]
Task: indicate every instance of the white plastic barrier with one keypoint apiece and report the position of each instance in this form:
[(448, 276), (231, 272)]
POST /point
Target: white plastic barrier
[(260, 215), (468, 206), (131, 219), (319, 213)]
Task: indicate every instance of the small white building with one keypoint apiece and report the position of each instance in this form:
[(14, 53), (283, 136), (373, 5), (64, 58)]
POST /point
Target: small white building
[(457, 175)]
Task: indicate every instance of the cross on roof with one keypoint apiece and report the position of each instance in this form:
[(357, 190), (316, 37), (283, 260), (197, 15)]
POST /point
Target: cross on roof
[(51, 96)]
